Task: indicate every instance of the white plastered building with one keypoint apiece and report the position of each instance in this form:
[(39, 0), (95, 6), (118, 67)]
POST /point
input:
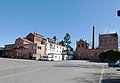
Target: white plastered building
[(54, 49)]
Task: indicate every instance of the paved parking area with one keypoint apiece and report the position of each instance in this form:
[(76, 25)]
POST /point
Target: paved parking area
[(29, 71), (111, 75)]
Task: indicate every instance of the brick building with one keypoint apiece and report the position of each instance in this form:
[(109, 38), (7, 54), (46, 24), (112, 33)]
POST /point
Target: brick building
[(106, 42), (32, 46), (84, 52)]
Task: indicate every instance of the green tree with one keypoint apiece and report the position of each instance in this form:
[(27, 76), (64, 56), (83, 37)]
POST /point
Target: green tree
[(55, 38), (110, 55), (62, 43), (67, 41), (71, 49), (113, 55), (102, 56)]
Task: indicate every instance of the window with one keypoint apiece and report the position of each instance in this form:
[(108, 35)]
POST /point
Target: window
[(114, 42), (110, 41), (45, 56), (95, 54), (82, 54), (25, 55), (36, 47), (89, 54), (38, 39), (101, 41), (76, 49), (39, 47), (86, 46), (78, 45), (26, 47), (55, 56), (105, 41), (82, 45), (50, 44), (43, 42)]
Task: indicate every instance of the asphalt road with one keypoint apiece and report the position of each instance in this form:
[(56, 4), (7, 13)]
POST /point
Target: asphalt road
[(29, 71)]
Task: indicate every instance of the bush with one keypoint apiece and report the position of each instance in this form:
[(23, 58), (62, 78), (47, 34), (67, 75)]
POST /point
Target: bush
[(110, 55)]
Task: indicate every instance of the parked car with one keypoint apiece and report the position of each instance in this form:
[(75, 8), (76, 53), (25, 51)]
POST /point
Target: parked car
[(46, 58), (117, 63)]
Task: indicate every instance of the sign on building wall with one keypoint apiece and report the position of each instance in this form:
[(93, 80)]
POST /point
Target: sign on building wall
[(118, 13)]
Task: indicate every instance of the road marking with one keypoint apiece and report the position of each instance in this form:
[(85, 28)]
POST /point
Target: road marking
[(20, 67), (100, 81), (22, 73)]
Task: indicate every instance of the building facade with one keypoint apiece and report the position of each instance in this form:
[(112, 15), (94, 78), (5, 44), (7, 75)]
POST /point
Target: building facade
[(54, 48), (106, 42), (32, 46)]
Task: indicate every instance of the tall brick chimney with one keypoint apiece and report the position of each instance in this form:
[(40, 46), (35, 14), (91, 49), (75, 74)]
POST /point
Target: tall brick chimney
[(93, 37)]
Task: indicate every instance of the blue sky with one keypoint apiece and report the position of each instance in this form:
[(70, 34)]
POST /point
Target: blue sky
[(57, 17)]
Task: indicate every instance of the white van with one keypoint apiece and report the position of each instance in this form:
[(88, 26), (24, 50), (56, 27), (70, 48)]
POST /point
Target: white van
[(51, 57), (46, 58)]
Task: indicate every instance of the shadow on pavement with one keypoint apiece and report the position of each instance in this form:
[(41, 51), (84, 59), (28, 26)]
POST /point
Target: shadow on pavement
[(96, 61), (111, 81), (79, 66), (110, 64)]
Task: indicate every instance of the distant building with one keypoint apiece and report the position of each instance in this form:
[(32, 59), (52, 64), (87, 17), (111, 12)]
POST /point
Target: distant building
[(54, 48), (32, 46), (106, 42), (84, 52)]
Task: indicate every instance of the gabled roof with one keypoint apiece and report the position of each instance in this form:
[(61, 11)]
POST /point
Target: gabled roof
[(9, 44), (36, 34), (26, 40)]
